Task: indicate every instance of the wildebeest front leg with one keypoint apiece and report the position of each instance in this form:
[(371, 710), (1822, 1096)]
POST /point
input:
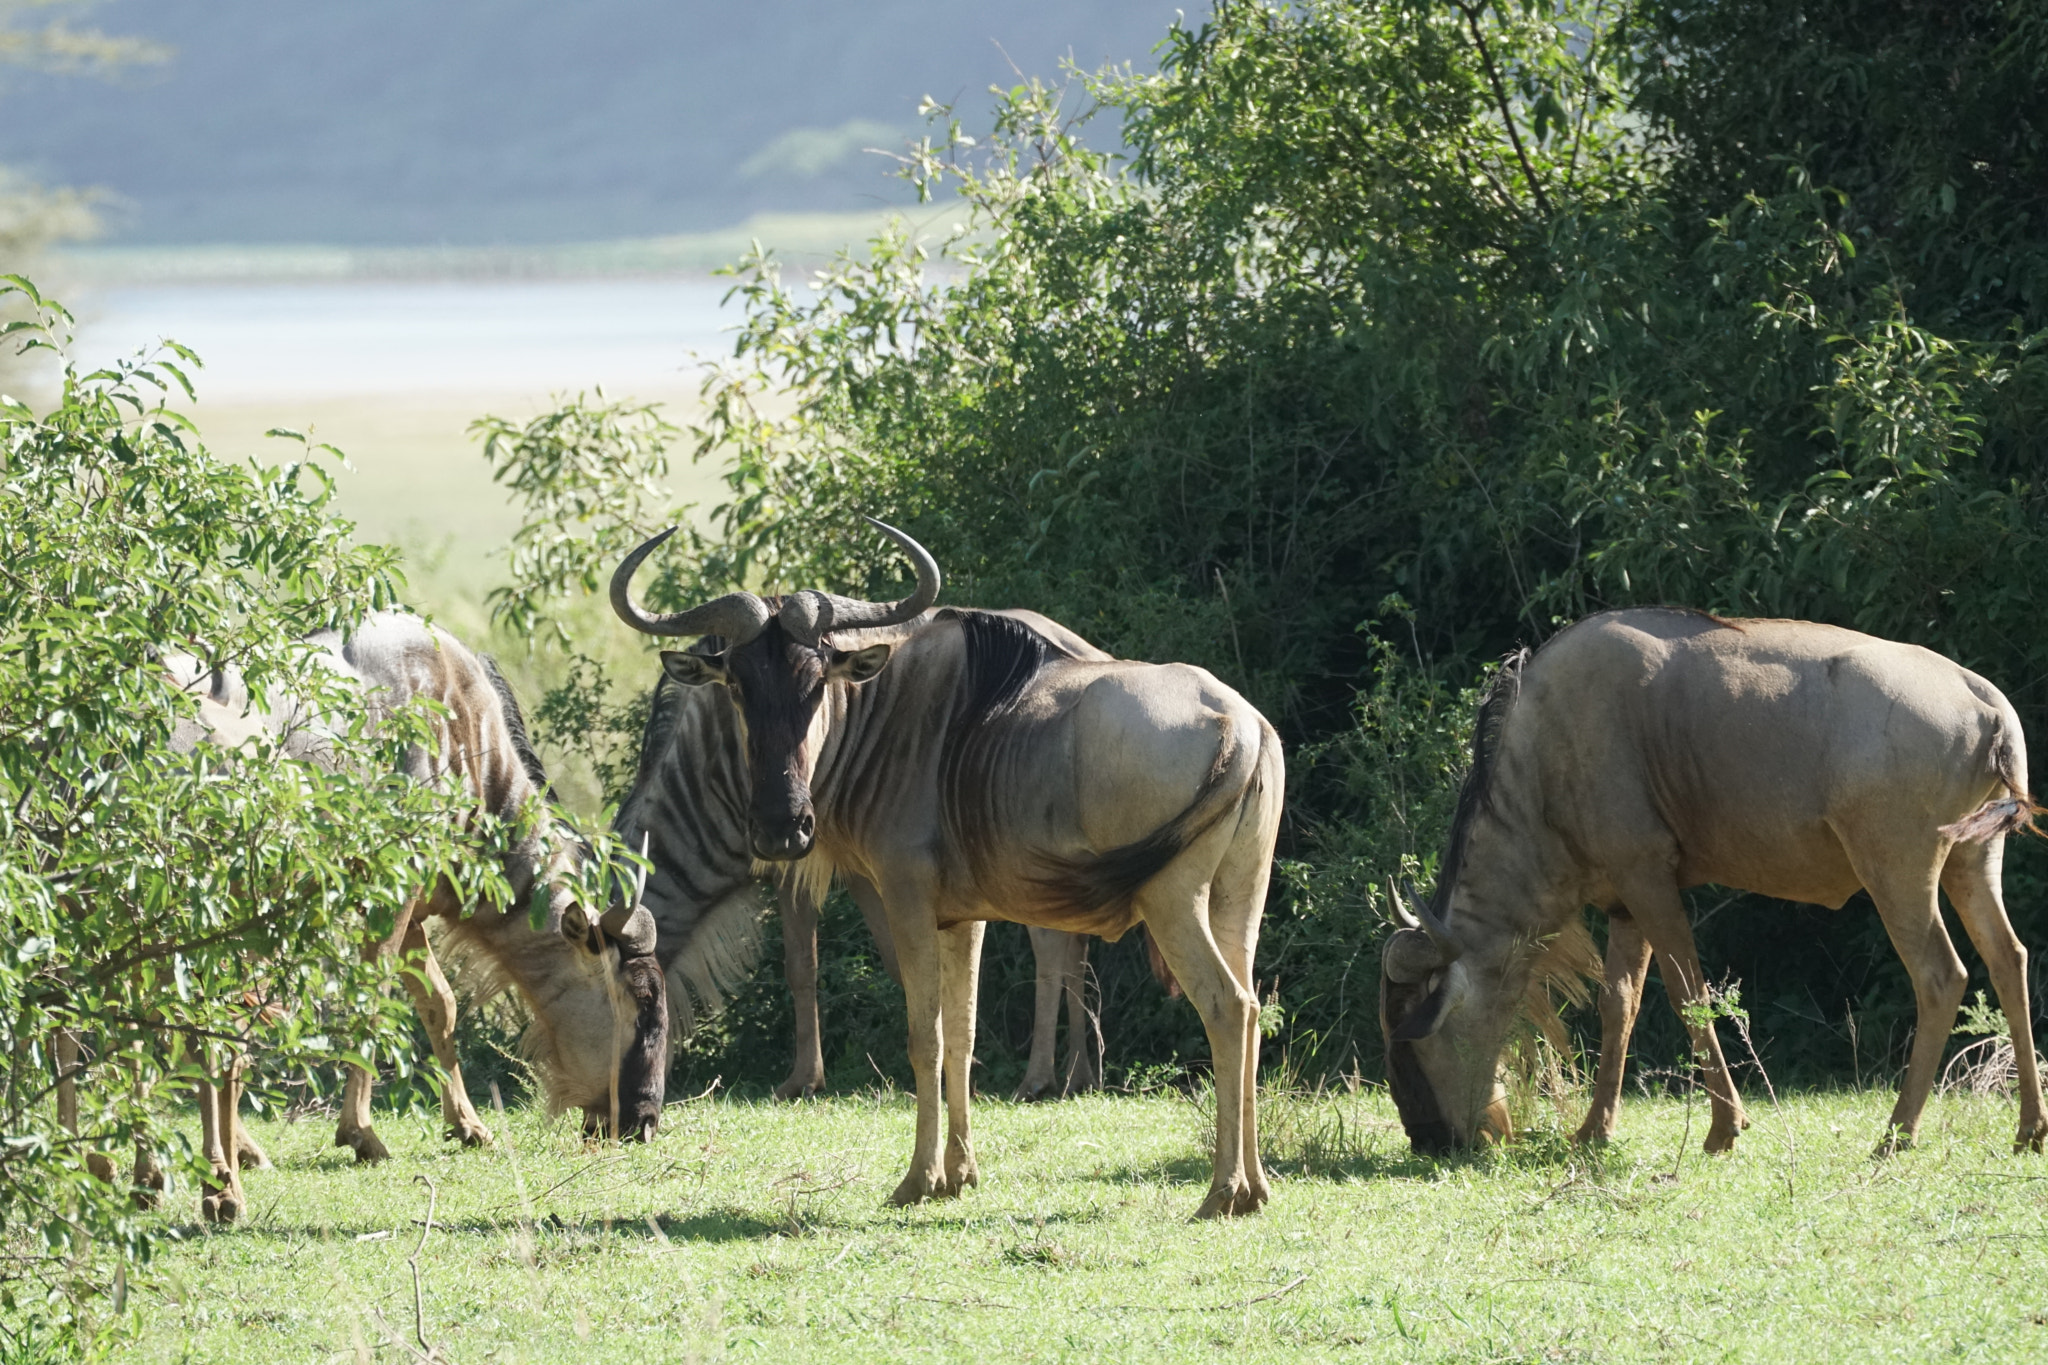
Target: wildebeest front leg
[(1621, 996), (918, 954), (1659, 913), (67, 1050), (1971, 877), (222, 1201), (960, 981), (800, 972), (435, 1000), (353, 1128)]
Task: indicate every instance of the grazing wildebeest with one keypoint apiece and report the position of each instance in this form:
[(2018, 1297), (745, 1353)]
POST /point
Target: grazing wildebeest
[(688, 801), (977, 771), (599, 1037), (1644, 751)]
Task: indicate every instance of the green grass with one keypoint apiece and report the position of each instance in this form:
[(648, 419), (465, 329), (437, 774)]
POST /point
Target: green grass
[(754, 1231)]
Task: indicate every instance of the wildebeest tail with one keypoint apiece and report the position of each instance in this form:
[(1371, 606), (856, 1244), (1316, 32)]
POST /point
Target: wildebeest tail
[(1086, 886), (2009, 814)]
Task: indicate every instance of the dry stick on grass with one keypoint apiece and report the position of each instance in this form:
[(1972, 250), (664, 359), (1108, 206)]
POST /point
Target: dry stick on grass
[(419, 1306), (1731, 1006)]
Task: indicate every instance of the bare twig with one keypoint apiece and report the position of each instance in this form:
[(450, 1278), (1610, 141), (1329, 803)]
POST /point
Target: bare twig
[(419, 1307), (1500, 96)]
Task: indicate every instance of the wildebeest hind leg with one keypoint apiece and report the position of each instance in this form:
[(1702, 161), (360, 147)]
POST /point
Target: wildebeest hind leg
[(1903, 887), (249, 1154), (960, 982), (1971, 877), (1048, 957), (800, 973), (1653, 901), (1176, 914), (1084, 1022), (353, 1129), (1621, 995)]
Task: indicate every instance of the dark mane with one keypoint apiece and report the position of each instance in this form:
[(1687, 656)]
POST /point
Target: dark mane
[(1003, 656), (1476, 793), (515, 726)]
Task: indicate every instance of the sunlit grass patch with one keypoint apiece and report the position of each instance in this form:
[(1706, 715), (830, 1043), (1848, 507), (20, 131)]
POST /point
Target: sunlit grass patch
[(760, 1231)]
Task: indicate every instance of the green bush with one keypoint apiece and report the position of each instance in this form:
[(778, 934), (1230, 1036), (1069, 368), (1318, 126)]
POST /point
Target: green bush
[(172, 909), (1407, 331)]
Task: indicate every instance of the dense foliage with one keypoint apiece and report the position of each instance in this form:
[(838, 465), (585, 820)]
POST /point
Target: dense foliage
[(1410, 330), (172, 909)]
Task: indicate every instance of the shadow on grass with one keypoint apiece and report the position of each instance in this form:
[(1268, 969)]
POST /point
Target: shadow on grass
[(1539, 1151)]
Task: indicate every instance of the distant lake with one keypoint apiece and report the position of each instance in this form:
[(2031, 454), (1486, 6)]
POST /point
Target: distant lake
[(308, 341)]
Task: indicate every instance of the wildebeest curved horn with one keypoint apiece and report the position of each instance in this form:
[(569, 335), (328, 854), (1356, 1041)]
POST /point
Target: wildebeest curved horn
[(738, 616), (1414, 913), (810, 615), (1403, 916), (632, 924)]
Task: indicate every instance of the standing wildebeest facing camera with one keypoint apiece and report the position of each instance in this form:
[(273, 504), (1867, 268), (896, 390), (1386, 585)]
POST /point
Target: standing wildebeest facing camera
[(1643, 751), (977, 771), (688, 804), (599, 1037)]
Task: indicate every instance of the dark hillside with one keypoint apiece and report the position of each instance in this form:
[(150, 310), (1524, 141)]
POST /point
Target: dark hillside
[(481, 121)]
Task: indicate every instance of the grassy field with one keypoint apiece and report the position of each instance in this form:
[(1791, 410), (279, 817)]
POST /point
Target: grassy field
[(755, 1231)]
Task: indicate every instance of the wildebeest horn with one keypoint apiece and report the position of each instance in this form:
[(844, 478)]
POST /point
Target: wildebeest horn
[(632, 924), (738, 616), (1420, 918), (810, 616)]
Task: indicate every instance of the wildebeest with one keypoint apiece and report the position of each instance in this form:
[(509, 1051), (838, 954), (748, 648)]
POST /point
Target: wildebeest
[(688, 801), (1643, 751), (977, 771), (599, 1035)]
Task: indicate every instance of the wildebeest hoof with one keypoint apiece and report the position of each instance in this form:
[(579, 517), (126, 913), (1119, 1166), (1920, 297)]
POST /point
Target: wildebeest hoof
[(1894, 1141), (250, 1157), (961, 1175), (368, 1147), (1232, 1201), (149, 1185), (1033, 1089), (801, 1085), (2030, 1139), (1721, 1140), (1591, 1134), (222, 1206), (468, 1132), (919, 1186)]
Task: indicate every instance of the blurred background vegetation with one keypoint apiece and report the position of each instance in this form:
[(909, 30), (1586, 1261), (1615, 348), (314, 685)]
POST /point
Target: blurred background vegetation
[(1399, 335), (1337, 347)]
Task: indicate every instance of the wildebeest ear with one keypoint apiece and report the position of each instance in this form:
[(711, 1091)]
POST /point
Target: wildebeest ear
[(1427, 1017), (858, 665), (693, 670)]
